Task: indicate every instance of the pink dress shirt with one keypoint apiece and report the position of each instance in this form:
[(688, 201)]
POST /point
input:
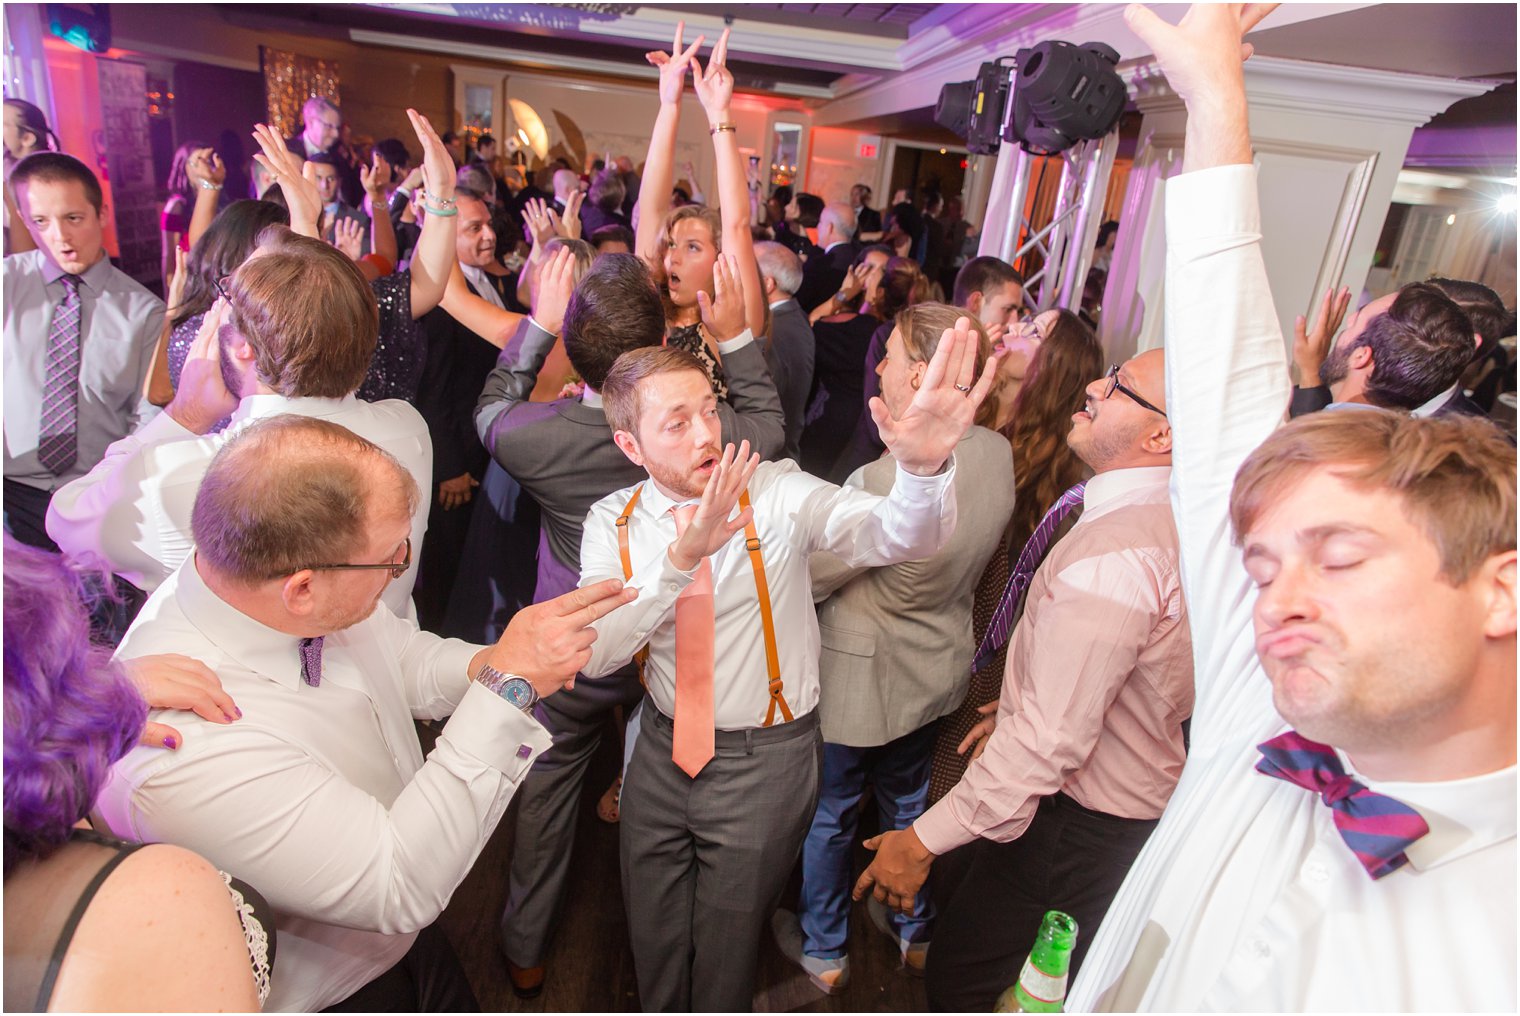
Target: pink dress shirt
[(1099, 679)]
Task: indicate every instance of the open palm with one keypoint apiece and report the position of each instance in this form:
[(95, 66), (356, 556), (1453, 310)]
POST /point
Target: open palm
[(943, 408)]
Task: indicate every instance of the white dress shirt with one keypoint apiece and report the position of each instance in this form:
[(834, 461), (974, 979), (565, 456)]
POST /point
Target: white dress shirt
[(1246, 898), (482, 284), (119, 326), (795, 514), (131, 513), (319, 797)]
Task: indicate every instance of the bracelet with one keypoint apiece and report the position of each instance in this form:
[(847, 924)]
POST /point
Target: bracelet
[(721, 127), (430, 196), (442, 213), (208, 185)]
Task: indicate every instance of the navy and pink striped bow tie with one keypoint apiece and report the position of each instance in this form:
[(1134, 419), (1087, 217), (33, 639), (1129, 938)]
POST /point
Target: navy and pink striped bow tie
[(1376, 827)]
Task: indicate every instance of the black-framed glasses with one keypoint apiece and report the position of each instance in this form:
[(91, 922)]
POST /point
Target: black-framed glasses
[(396, 568), (221, 287), (1114, 385)]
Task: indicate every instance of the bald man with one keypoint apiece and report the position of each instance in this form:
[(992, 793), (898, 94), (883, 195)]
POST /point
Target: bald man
[(1074, 768)]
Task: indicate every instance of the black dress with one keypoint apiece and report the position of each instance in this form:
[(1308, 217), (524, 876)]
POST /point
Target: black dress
[(838, 395)]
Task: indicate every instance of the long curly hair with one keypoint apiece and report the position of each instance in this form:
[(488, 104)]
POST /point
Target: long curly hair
[(70, 712), (1067, 361)]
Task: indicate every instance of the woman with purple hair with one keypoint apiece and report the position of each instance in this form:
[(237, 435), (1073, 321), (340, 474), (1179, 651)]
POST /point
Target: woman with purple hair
[(92, 923)]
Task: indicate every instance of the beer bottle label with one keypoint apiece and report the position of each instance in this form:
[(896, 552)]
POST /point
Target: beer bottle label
[(1040, 986)]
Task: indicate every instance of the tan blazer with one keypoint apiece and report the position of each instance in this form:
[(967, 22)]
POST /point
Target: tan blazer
[(897, 640)]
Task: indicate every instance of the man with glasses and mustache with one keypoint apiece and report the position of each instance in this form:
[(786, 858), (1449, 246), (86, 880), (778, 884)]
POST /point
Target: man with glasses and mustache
[(1075, 763), (294, 331), (319, 795)]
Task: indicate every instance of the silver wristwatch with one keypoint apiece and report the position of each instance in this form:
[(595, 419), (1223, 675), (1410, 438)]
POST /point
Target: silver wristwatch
[(516, 690)]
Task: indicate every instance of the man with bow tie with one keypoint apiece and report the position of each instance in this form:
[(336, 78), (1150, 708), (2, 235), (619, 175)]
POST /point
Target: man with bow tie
[(1343, 835)]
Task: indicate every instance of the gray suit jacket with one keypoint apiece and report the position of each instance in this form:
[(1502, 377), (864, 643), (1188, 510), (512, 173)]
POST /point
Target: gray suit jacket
[(897, 640), (789, 355), (562, 454)]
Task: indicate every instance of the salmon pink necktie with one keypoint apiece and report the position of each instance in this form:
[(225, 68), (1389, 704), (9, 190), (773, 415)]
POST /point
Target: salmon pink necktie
[(692, 742)]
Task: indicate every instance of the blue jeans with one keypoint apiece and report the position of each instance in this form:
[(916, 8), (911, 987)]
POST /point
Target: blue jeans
[(900, 773)]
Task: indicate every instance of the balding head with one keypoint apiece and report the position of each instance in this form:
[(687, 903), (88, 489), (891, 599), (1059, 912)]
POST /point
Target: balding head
[(565, 184), (780, 268), (290, 492), (1123, 422), (836, 224)]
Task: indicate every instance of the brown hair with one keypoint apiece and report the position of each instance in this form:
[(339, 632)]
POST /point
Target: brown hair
[(923, 325), (614, 308), (1044, 466), (289, 492), (903, 284), (308, 315), (621, 398), (706, 213), (1454, 476), (56, 167)]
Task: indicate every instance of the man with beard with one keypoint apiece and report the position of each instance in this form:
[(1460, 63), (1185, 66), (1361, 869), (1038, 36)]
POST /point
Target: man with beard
[(723, 780), (1076, 765), (1406, 351), (294, 333), (319, 794)]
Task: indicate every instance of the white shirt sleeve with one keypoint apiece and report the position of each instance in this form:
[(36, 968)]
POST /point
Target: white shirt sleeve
[(913, 522)]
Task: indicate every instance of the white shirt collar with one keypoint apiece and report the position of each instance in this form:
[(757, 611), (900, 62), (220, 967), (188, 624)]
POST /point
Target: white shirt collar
[(1108, 488), (1429, 408), (254, 407), (483, 287), (263, 650), (836, 243), (778, 303), (1464, 815), (591, 398)]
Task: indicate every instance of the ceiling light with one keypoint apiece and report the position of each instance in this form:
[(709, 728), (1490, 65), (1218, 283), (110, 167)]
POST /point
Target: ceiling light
[(1451, 220)]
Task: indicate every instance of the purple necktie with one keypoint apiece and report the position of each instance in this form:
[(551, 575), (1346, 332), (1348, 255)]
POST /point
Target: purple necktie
[(1023, 571), (311, 660), (1376, 827), (58, 436)]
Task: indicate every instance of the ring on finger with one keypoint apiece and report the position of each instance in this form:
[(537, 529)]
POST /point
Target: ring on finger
[(963, 389)]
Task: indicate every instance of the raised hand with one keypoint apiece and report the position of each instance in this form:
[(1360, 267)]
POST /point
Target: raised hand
[(570, 226), (714, 85), (1204, 50), (290, 172), (673, 66), (202, 397), (205, 168), (348, 237), (375, 178), (437, 164), (944, 406), (171, 681), (976, 740), (723, 312), (556, 284), (863, 278), (1312, 345), (711, 526), (541, 220), (548, 643)]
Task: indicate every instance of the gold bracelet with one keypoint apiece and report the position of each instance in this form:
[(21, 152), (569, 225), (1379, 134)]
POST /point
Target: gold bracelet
[(720, 128)]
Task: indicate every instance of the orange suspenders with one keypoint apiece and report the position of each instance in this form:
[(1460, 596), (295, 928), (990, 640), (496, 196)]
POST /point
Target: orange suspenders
[(757, 562)]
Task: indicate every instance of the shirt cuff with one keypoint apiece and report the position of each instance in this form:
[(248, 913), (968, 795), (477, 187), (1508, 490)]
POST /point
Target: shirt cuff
[(739, 341), (534, 322), (1227, 193), (911, 487), (938, 830), (491, 729)]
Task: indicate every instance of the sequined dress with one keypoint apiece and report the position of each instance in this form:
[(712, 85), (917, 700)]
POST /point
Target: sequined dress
[(689, 338)]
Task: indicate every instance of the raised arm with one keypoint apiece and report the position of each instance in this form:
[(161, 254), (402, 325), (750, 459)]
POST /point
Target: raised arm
[(659, 167), (375, 178), (434, 258), (290, 171), (715, 89), (158, 389), (753, 411), (208, 174), (485, 319)]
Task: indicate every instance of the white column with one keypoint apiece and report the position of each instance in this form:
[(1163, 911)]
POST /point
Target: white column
[(1328, 142)]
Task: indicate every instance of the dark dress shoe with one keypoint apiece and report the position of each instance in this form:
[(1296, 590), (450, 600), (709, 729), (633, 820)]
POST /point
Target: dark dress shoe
[(527, 982)]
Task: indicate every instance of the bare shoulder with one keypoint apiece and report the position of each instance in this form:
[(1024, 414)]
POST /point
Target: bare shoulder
[(161, 934)]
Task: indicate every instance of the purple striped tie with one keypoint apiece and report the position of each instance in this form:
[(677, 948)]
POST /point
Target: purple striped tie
[(311, 660), (1376, 827), (1023, 572), (58, 435)]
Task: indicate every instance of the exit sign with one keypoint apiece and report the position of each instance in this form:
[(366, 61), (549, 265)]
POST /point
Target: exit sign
[(869, 144)]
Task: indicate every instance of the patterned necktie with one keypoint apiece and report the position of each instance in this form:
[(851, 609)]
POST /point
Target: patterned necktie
[(58, 436), (1023, 572), (1376, 827), (311, 660), (692, 741)]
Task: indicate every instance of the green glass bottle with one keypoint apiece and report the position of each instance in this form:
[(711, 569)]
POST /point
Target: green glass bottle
[(1042, 983)]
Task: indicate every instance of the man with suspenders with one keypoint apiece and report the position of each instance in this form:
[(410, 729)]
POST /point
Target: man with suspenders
[(723, 780)]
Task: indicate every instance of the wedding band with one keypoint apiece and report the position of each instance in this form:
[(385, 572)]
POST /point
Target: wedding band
[(966, 389)]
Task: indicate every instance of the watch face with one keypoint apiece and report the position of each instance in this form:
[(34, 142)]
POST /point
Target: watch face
[(518, 691)]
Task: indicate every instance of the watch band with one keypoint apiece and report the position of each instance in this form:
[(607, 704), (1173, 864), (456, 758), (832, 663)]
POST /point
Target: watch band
[(513, 688)]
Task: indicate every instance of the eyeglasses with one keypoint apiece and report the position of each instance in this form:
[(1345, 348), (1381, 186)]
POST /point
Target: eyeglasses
[(396, 568), (221, 287), (1113, 385)]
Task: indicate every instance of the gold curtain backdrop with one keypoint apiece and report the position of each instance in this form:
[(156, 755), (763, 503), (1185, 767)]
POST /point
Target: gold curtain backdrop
[(289, 80)]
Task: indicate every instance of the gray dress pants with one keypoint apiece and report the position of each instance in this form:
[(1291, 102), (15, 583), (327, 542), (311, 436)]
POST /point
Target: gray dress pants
[(547, 807), (705, 860)]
